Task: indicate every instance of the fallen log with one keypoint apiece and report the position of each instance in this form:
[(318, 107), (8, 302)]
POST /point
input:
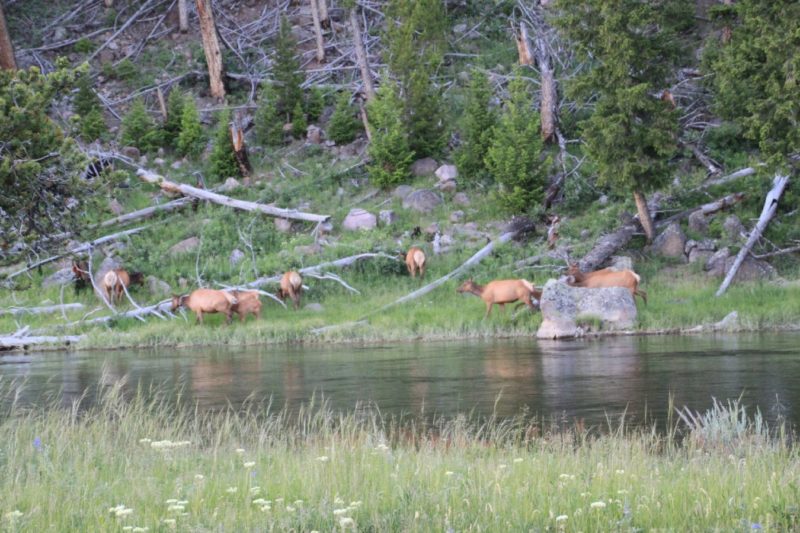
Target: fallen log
[(706, 209), (194, 192), (317, 269), (606, 246), (770, 207), (8, 342), (791, 250), (146, 212), (15, 311)]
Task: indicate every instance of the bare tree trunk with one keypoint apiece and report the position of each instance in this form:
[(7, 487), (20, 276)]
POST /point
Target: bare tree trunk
[(318, 31), (7, 60), (549, 105), (727, 32), (361, 55), (239, 146), (162, 104), (365, 120), (208, 31), (524, 46), (644, 215), (323, 13), (183, 16)]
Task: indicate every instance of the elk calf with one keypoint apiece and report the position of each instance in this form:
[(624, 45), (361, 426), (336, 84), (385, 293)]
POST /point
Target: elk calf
[(415, 262), (116, 281), (247, 302), (291, 287)]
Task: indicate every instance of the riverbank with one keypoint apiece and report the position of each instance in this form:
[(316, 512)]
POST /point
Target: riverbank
[(133, 463)]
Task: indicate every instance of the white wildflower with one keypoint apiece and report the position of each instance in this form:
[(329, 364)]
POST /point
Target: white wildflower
[(598, 505), (347, 522), (518, 459), (356, 504), (249, 464), (260, 501), (290, 509), (199, 477), (502, 466), (340, 512), (13, 515), (323, 459), (127, 528), (169, 521), (145, 441), (448, 473), (175, 508), (171, 501), (240, 450), (255, 491), (619, 472), (265, 508), (140, 529), (231, 490), (561, 518)]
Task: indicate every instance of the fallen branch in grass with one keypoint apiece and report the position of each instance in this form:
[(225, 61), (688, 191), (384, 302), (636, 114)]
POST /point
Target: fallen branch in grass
[(146, 212), (706, 209), (784, 251), (14, 311)]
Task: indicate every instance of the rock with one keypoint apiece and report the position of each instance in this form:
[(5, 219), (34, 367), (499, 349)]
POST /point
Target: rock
[(230, 185), (432, 229), (315, 307), (387, 217), (236, 257), (696, 255), (621, 262), (447, 173), (59, 34), (183, 283), (359, 219), (603, 200), (143, 161), (116, 207), (314, 134), (461, 198), (734, 229), (424, 167), (698, 222), (283, 225), (159, 162), (729, 323), (131, 151), (751, 269), (185, 246), (176, 165), (422, 200), (106, 56), (671, 242), (585, 234), (157, 287), (457, 216), (458, 29), (716, 263), (308, 249), (564, 308), (59, 277), (446, 186), (402, 191)]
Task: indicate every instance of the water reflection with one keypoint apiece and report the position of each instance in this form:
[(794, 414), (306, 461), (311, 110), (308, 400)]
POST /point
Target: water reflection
[(591, 380)]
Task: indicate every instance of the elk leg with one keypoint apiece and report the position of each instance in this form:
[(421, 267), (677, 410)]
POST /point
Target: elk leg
[(199, 319), (488, 310), (502, 307), (642, 294)]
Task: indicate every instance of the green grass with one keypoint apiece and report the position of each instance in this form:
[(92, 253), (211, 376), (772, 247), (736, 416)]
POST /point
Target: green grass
[(259, 469)]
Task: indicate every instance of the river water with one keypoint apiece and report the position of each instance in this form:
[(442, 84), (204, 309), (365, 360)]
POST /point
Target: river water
[(593, 380)]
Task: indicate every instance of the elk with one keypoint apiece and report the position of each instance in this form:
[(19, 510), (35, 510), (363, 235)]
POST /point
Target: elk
[(627, 279), (116, 282), (291, 287), (206, 301), (80, 274), (502, 292), (415, 262), (247, 302)]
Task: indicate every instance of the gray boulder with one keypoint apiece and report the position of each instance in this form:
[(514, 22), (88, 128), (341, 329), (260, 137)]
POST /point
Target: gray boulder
[(185, 246), (59, 277), (314, 307), (621, 262), (461, 198), (457, 216), (314, 134), (283, 225), (157, 287), (567, 311), (447, 186), (751, 269), (230, 185), (131, 151), (698, 222), (422, 200), (402, 191), (734, 229), (359, 219), (715, 265), (236, 257), (387, 217), (115, 207), (447, 173), (424, 167), (671, 242)]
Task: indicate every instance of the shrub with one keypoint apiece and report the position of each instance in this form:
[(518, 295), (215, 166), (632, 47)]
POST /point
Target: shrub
[(299, 122), (315, 103), (190, 140), (93, 125), (86, 104), (344, 125), (389, 149), (268, 121), (222, 162), (172, 126), (286, 71), (478, 128), (139, 128)]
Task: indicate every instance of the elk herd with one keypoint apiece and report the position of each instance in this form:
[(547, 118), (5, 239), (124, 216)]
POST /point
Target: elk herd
[(115, 283)]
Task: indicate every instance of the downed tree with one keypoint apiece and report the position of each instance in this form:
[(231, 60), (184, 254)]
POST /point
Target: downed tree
[(239, 146), (706, 209), (8, 342), (194, 192), (41, 310), (770, 207), (146, 212)]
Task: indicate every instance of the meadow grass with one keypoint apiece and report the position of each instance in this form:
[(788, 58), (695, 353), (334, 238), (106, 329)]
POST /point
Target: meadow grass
[(127, 464)]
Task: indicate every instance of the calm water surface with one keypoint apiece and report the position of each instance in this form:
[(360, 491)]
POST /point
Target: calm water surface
[(588, 379)]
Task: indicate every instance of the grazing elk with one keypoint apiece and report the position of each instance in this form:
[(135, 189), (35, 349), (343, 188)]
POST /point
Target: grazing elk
[(247, 302), (116, 282), (291, 287), (627, 279), (502, 292), (80, 274), (415, 262), (206, 301)]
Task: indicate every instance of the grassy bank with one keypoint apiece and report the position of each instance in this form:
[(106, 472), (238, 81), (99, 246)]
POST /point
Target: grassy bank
[(131, 463)]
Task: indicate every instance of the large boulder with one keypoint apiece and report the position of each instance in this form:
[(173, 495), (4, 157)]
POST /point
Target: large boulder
[(461, 198), (734, 229), (59, 277), (358, 219), (715, 265), (402, 191), (671, 242), (621, 262), (157, 287), (387, 217), (698, 222), (422, 200), (751, 269), (283, 225), (567, 310), (185, 246), (447, 173), (424, 167)]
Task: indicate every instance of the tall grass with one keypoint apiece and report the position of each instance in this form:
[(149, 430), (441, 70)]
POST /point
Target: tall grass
[(145, 463)]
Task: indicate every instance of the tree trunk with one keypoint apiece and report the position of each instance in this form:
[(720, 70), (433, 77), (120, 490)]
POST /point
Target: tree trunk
[(361, 55), (524, 46), (208, 31), (365, 120), (644, 215), (318, 31), (183, 16), (239, 146), (727, 32), (7, 60), (162, 104), (323, 13)]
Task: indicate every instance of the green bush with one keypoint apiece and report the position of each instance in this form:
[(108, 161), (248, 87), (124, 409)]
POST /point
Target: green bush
[(477, 130), (268, 121), (344, 125), (314, 104), (389, 150), (139, 129), (286, 69), (222, 162), (86, 104), (172, 126), (299, 122), (93, 125), (83, 46), (190, 139)]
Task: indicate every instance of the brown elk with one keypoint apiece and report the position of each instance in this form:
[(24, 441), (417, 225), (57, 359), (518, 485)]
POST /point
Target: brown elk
[(627, 279), (247, 302), (291, 287), (80, 274), (116, 282), (206, 301), (502, 292), (415, 262)]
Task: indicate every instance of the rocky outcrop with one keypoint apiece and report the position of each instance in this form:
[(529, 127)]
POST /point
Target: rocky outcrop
[(358, 219), (424, 167), (571, 311), (422, 200), (671, 242), (59, 277)]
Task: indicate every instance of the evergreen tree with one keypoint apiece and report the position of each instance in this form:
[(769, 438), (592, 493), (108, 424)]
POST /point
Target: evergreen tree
[(287, 72), (91, 123), (514, 156), (631, 134), (756, 75), (222, 161), (416, 41), (172, 126), (389, 149), (314, 104), (139, 128), (478, 128), (268, 121), (190, 139), (344, 125), (299, 122)]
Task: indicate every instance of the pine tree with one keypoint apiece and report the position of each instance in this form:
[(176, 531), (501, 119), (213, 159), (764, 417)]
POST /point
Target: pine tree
[(631, 134), (314, 104), (91, 123), (268, 121), (389, 150), (139, 128), (514, 157), (478, 129), (299, 122), (222, 161), (344, 125), (172, 126), (415, 50), (287, 71), (190, 139)]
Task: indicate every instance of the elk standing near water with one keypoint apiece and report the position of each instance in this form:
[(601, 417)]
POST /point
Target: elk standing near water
[(291, 287), (415, 262), (80, 274), (247, 302), (627, 279), (206, 301), (116, 282), (502, 292)]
